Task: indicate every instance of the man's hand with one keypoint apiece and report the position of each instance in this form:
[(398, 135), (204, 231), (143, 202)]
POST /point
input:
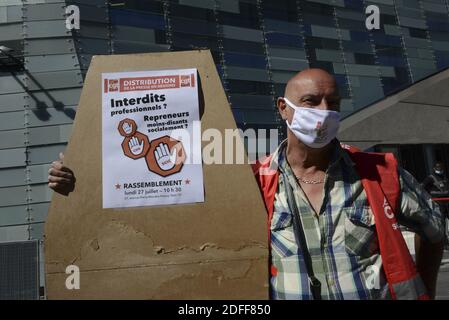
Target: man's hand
[(61, 179)]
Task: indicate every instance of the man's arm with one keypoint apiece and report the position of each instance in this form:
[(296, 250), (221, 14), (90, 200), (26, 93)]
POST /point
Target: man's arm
[(419, 213), (60, 178)]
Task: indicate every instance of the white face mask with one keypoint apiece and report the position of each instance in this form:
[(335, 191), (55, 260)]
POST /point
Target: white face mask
[(314, 127)]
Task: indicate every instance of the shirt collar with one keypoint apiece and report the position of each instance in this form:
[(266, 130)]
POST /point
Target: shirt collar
[(338, 154)]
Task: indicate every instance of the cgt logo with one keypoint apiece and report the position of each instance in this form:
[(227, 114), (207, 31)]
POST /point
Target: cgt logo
[(187, 80), (387, 209), (113, 85), (390, 215)]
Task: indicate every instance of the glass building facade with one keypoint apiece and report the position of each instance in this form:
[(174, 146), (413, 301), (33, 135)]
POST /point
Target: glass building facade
[(257, 45)]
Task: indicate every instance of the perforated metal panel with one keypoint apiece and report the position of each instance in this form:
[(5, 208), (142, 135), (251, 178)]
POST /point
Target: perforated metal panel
[(251, 101), (39, 193), (12, 139), (19, 272), (45, 29), (128, 33), (93, 13), (44, 46), (12, 102), (14, 233), (50, 116), (39, 211), (288, 64), (12, 177), (94, 46), (49, 11), (49, 135), (10, 31), (247, 74), (92, 30), (13, 215), (137, 47), (37, 231), (12, 158), (12, 120), (287, 53), (55, 62), (44, 154), (65, 97), (55, 80), (12, 196), (99, 3), (12, 83), (38, 173), (17, 2), (12, 14), (242, 33)]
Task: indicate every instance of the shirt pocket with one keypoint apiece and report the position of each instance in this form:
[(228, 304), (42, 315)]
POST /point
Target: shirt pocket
[(283, 241), (360, 232), (281, 220)]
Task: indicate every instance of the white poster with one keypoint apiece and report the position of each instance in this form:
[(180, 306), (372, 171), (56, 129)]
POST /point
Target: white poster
[(151, 149)]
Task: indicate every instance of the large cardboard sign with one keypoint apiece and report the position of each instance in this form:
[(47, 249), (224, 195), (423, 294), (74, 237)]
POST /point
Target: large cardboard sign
[(144, 161), (216, 249)]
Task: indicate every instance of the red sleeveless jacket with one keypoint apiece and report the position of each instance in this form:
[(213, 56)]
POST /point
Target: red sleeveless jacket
[(380, 180)]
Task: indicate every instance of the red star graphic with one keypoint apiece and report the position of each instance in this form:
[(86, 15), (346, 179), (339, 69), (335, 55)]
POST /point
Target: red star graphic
[(187, 181), (117, 186)]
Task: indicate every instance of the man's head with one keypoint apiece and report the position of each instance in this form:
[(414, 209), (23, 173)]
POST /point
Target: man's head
[(312, 88), (311, 106), (438, 168)]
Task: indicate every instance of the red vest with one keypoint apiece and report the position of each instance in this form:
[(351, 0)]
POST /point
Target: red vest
[(381, 183)]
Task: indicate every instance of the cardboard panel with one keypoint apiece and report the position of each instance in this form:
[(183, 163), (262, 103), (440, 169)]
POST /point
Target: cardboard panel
[(212, 250)]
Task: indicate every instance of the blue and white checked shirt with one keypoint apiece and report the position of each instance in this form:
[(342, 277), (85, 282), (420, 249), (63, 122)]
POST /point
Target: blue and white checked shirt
[(342, 238)]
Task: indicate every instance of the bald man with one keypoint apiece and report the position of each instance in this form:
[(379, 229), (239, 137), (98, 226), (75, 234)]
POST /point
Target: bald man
[(323, 235), (324, 238)]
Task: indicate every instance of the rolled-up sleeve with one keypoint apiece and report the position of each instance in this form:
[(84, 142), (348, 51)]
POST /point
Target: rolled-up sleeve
[(417, 210)]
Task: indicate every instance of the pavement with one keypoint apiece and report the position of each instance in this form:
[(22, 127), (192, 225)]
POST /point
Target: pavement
[(443, 278)]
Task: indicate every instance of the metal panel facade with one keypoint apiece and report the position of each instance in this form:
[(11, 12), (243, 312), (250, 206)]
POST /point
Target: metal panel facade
[(37, 108)]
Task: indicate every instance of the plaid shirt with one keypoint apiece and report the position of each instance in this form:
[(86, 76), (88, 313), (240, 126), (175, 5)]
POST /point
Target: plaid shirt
[(342, 238)]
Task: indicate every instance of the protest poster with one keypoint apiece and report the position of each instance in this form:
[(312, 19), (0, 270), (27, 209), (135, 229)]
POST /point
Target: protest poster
[(216, 249), (145, 163)]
